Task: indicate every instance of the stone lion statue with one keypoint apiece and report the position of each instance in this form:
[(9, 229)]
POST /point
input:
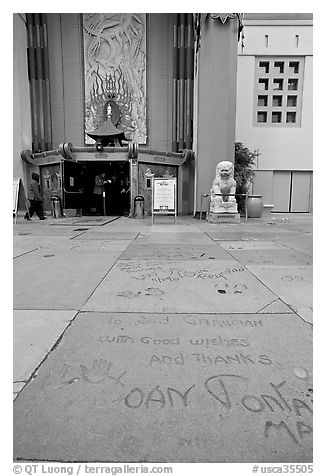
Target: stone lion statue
[(223, 185)]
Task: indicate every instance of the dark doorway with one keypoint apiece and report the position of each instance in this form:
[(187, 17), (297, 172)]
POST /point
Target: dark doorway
[(79, 181)]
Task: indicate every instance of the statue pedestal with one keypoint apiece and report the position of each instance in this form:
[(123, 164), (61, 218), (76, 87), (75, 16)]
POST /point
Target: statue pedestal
[(223, 207), (223, 217)]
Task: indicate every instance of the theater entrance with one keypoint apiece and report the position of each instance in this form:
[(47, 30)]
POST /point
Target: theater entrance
[(79, 182)]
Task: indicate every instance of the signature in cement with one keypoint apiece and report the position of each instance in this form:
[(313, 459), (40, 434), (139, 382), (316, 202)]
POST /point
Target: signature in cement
[(213, 322), (175, 274), (122, 339), (228, 391), (157, 273)]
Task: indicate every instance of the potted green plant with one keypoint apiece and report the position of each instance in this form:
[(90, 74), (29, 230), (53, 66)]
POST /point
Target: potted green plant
[(244, 160)]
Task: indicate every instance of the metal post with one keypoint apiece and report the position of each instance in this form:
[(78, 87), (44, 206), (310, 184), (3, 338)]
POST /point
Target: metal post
[(152, 199), (104, 205), (175, 204), (203, 195)]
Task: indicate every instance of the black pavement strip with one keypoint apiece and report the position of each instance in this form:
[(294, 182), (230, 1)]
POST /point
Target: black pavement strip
[(85, 221)]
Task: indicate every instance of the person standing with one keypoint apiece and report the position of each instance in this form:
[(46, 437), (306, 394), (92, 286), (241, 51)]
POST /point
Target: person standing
[(35, 198), (125, 197), (98, 192)]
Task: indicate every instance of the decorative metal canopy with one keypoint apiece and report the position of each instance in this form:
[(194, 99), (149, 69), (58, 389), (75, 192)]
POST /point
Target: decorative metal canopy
[(107, 133)]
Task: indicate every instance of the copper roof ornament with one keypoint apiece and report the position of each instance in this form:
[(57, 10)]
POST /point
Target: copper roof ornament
[(107, 134)]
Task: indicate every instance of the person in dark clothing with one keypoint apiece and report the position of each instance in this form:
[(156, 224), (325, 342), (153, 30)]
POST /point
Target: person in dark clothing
[(35, 198), (100, 182), (125, 197)]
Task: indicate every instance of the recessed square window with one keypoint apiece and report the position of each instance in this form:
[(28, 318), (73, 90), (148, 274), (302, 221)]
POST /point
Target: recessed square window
[(262, 101), (292, 84), (278, 91), (278, 84), (263, 84), (264, 67), (277, 101), (261, 116), (276, 117), (291, 101), (291, 117), (294, 67), (279, 67)]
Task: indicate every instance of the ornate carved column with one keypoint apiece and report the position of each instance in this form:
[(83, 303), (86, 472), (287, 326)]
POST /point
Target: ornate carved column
[(215, 75)]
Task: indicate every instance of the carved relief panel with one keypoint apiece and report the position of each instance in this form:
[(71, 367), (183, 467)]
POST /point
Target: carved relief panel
[(115, 72)]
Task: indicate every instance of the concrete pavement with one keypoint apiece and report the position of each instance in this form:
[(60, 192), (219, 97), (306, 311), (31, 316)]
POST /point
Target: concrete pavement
[(187, 342)]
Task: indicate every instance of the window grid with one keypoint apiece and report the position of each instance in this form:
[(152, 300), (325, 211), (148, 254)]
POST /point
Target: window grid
[(278, 91)]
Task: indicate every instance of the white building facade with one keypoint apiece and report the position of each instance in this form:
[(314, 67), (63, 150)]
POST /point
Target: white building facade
[(275, 106)]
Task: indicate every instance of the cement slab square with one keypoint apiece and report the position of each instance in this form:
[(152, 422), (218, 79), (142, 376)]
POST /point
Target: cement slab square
[(152, 251), (175, 228), (293, 284), (171, 237), (34, 334), (271, 257), (181, 388), (250, 245), (103, 246), (108, 235), (54, 279), (179, 286), (235, 235)]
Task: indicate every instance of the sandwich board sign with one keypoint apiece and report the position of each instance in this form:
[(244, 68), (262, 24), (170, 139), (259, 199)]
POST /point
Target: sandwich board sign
[(164, 197), (19, 197)]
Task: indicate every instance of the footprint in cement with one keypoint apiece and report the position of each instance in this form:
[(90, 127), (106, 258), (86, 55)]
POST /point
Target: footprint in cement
[(221, 288), (240, 288)]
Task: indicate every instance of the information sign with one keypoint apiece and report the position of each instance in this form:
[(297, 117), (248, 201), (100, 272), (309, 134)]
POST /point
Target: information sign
[(16, 191), (164, 197), (19, 197)]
